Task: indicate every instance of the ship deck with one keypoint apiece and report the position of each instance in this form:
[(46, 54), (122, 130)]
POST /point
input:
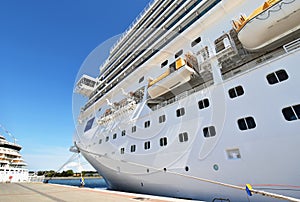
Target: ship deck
[(51, 192)]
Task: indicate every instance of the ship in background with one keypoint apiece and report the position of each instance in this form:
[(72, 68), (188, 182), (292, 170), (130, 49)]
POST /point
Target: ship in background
[(196, 100), (12, 166)]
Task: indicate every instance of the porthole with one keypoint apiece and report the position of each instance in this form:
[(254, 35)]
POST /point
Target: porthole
[(276, 77), (236, 91), (246, 123), (209, 131), (291, 113)]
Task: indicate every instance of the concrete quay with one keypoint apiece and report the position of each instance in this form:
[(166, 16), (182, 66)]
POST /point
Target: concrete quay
[(31, 192)]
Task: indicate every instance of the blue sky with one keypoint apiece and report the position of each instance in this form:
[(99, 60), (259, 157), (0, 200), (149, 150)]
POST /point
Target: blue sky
[(42, 46)]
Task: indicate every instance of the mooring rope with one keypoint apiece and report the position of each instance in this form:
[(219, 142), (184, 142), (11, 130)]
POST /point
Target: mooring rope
[(74, 156), (252, 191)]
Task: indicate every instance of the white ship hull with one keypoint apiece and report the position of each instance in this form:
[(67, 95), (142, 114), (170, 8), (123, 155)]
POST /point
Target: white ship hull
[(194, 145), (12, 175)]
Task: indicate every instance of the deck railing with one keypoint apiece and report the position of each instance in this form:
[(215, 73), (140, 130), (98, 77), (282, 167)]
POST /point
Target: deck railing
[(292, 45), (182, 95), (132, 25)]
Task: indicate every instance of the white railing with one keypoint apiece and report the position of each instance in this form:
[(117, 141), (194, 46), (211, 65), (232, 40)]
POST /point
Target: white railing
[(129, 29), (292, 45), (132, 25), (182, 95)]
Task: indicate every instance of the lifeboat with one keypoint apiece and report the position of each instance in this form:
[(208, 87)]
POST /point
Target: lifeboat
[(269, 23), (176, 75)]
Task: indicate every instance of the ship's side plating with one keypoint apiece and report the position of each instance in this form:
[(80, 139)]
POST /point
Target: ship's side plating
[(232, 122)]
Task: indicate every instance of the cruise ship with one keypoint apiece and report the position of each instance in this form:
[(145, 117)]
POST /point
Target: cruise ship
[(198, 100), (12, 166)]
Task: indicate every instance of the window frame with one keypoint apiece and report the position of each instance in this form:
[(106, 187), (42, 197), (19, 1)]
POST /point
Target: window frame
[(204, 103), (246, 123), (183, 137), (291, 113), (209, 131), (133, 129), (115, 136), (123, 132), (162, 118), (133, 148), (180, 112), (147, 145), (147, 124), (178, 53), (277, 76), (236, 91), (163, 141), (196, 41)]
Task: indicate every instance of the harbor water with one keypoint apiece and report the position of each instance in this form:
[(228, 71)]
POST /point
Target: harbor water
[(89, 182)]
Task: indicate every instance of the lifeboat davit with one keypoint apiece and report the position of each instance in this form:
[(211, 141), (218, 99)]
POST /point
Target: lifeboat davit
[(172, 78), (269, 23)]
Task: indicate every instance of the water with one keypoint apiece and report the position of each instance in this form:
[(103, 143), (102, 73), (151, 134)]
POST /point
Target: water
[(89, 182)]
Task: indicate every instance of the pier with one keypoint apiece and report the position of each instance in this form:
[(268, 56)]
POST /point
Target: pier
[(28, 192)]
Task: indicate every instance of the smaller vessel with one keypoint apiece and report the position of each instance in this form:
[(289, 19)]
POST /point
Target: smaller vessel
[(271, 22), (12, 166)]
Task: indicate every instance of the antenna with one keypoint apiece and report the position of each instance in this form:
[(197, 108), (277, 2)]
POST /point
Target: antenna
[(9, 133)]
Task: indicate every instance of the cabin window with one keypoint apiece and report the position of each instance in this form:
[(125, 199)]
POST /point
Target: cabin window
[(183, 137), (133, 129), (107, 138), (100, 141), (122, 150), (141, 79), (236, 91), (173, 67), (246, 123), (203, 103), (209, 131), (147, 124), (162, 118), (163, 141), (278, 76), (123, 132), (147, 145), (89, 124), (133, 148), (180, 112), (164, 64), (196, 41), (291, 113), (179, 53), (115, 136)]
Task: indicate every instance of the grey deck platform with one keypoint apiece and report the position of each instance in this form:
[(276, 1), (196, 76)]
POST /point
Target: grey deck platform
[(36, 192)]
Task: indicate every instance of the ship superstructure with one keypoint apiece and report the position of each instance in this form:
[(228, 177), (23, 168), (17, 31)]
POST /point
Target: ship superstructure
[(196, 100), (12, 166)]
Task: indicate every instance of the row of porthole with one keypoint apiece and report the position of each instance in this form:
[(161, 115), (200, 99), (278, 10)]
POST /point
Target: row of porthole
[(290, 113), (187, 168), (210, 131)]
